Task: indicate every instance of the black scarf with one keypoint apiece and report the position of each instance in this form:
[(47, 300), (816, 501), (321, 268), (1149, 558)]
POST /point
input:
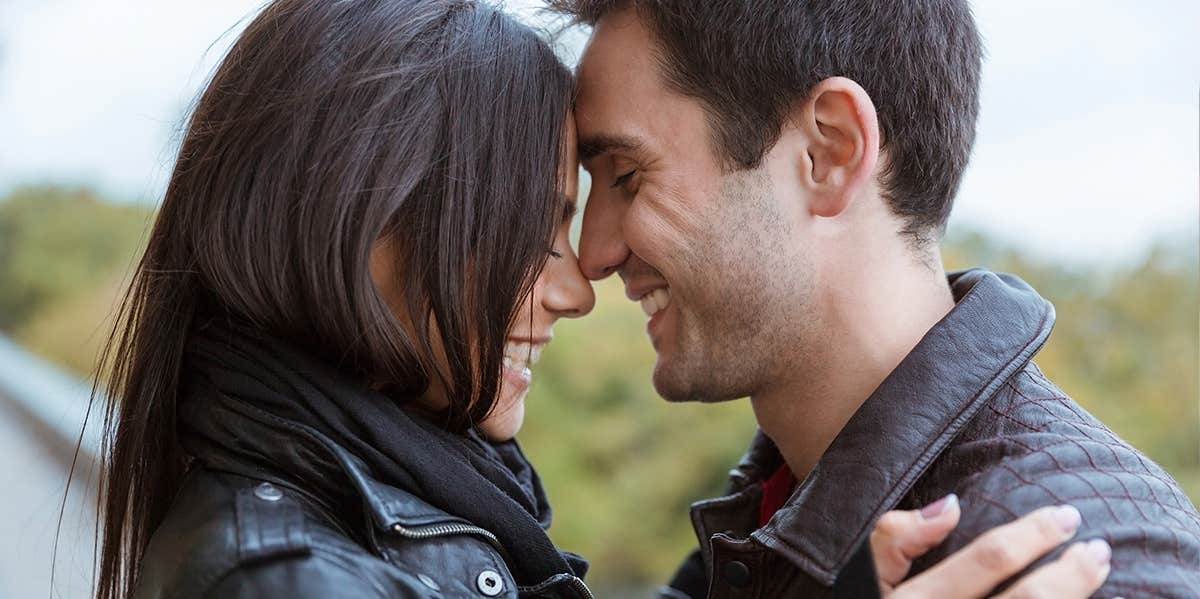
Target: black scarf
[(234, 372)]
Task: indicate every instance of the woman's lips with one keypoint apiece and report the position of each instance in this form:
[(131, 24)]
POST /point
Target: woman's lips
[(517, 379), (519, 357)]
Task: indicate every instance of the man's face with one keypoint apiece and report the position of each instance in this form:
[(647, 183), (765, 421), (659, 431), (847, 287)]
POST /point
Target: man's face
[(710, 254)]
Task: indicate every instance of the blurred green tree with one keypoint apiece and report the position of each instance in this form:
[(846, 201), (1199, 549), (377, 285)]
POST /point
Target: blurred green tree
[(57, 242)]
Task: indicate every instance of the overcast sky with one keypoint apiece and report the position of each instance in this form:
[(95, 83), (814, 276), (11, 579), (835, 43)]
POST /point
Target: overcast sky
[(1088, 146)]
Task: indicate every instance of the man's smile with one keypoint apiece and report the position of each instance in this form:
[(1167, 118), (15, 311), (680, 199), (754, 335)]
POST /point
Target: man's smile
[(655, 301)]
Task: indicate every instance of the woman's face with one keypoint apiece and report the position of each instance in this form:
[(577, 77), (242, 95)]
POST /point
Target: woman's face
[(561, 291)]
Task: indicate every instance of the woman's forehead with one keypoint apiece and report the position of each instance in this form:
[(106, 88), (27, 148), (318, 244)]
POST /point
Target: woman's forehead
[(570, 163), (572, 141)]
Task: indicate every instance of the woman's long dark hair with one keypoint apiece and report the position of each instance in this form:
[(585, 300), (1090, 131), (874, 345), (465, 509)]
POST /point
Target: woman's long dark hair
[(436, 124)]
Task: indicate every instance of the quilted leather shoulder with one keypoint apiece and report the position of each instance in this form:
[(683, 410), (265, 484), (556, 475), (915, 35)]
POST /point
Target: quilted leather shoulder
[(1033, 446)]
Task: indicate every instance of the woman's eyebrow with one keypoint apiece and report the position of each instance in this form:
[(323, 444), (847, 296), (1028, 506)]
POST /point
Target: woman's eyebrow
[(569, 207)]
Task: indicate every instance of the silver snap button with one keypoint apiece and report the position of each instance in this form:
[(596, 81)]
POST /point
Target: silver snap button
[(268, 492), (489, 583), (427, 581)]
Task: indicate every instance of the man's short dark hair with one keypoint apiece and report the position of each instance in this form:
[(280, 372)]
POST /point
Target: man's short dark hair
[(749, 61)]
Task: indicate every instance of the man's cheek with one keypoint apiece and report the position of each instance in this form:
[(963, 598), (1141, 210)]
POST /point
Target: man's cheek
[(642, 240), (654, 239)]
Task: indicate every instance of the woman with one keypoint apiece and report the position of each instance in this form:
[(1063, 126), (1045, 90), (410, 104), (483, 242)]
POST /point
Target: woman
[(324, 353)]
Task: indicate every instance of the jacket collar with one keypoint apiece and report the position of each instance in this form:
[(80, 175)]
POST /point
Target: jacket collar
[(241, 439), (386, 505), (997, 325)]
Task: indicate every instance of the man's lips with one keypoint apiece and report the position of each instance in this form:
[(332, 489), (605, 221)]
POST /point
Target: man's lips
[(635, 291)]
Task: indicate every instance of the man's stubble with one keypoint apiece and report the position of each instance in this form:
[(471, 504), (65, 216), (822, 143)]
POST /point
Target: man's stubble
[(741, 316)]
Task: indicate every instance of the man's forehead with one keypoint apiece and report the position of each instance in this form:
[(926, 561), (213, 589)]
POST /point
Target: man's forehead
[(624, 103), (617, 74), (607, 122), (619, 41)]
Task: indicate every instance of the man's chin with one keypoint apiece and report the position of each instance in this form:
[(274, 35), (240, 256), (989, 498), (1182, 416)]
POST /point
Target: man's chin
[(677, 385)]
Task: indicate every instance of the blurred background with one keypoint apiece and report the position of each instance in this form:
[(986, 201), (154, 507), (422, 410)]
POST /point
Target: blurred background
[(1085, 181)]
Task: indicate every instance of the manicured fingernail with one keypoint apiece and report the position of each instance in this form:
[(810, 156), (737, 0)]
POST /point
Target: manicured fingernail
[(939, 507), (1067, 517), (1100, 551)]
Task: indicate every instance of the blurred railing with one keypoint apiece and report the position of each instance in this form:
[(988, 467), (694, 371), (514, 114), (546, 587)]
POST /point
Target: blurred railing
[(45, 529), (51, 400)]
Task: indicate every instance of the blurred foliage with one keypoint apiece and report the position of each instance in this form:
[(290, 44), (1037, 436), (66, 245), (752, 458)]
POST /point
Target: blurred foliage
[(57, 243), (63, 254), (621, 465)]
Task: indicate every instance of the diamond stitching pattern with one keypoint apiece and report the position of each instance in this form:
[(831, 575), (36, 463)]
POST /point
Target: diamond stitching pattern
[(1034, 446)]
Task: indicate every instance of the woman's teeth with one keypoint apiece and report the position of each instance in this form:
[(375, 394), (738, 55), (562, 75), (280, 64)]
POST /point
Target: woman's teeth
[(519, 367), (521, 356), (656, 301)]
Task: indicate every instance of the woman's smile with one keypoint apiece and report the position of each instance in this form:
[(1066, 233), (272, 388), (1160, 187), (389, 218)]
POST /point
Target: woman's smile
[(520, 355)]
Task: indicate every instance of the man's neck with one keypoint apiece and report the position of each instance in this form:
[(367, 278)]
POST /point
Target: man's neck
[(870, 320)]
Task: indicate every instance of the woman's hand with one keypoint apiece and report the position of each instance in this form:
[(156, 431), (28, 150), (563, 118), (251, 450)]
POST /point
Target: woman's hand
[(973, 571)]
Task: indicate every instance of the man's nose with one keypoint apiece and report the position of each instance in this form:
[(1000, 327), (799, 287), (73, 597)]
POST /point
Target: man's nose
[(602, 247)]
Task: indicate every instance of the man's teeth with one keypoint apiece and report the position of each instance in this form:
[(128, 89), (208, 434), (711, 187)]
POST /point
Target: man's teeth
[(656, 301)]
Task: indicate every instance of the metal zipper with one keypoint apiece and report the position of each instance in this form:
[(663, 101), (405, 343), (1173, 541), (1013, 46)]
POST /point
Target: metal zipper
[(556, 580), (577, 582), (442, 530)]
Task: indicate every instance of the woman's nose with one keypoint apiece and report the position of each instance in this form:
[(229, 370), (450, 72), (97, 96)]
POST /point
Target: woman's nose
[(566, 293)]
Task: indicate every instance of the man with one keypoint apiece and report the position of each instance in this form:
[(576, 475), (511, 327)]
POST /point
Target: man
[(771, 180)]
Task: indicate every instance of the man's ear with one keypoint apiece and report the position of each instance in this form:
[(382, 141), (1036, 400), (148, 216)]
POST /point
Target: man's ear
[(842, 141)]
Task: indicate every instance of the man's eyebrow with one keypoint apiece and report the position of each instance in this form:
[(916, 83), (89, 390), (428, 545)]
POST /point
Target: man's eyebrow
[(595, 145)]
